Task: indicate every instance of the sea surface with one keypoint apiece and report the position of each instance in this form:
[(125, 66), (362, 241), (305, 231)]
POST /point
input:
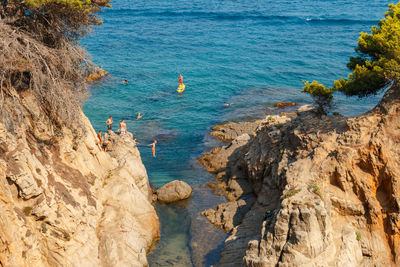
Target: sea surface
[(249, 53)]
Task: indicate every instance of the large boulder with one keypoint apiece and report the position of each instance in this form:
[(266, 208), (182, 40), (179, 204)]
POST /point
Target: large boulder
[(174, 191)]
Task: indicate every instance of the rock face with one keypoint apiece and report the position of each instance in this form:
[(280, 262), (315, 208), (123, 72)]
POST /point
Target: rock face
[(228, 215), (65, 202), (174, 191), (229, 131), (327, 188)]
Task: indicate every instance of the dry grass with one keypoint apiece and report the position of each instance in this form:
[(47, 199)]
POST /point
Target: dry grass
[(39, 54), (54, 76)]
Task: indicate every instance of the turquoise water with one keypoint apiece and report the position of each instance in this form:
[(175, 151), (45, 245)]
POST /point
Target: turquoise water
[(248, 53)]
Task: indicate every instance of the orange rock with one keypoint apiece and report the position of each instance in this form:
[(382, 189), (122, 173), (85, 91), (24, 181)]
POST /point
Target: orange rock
[(96, 75)]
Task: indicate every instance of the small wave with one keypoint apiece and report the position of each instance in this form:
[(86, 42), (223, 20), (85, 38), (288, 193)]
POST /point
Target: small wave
[(340, 21), (200, 14), (232, 16)]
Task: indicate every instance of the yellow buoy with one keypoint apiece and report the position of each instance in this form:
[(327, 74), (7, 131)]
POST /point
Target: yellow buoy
[(181, 88)]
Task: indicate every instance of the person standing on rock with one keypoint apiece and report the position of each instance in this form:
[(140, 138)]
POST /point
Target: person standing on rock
[(122, 126), (153, 147), (99, 136), (109, 122), (107, 141), (134, 142)]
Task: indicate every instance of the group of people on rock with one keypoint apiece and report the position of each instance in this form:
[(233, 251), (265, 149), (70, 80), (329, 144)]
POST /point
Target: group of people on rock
[(106, 142)]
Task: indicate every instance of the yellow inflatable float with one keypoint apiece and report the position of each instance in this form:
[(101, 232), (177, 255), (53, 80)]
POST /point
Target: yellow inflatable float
[(181, 88)]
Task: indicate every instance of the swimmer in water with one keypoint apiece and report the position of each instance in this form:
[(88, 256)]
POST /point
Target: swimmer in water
[(139, 116), (153, 147), (125, 81), (227, 104)]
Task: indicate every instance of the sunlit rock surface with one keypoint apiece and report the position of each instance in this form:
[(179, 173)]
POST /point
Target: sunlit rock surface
[(327, 188), (65, 202)]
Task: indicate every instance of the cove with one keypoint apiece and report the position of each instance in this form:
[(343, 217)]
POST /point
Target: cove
[(248, 53)]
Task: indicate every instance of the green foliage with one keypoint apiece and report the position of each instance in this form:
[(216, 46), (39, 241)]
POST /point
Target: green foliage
[(358, 236), (291, 193), (27, 211), (321, 95), (71, 3), (378, 60), (315, 189), (43, 227), (53, 21)]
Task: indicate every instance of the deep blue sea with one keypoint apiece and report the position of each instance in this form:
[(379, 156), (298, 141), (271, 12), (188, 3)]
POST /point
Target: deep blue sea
[(249, 53)]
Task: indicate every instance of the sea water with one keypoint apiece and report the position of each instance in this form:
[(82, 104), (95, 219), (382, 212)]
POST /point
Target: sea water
[(248, 53)]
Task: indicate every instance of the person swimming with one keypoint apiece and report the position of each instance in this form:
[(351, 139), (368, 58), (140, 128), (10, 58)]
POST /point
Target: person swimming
[(139, 116), (125, 81)]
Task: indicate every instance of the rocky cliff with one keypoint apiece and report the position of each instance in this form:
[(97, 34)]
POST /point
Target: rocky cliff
[(312, 191), (65, 202)]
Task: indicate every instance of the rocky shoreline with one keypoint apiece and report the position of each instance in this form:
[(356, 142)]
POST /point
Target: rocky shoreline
[(305, 190), (65, 202)]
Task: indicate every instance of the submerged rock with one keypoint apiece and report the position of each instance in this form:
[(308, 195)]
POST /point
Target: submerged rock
[(282, 105), (174, 191)]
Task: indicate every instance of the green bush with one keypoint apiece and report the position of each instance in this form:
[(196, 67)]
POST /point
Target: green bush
[(315, 189), (291, 193), (358, 236), (27, 211), (376, 66), (322, 95), (43, 227)]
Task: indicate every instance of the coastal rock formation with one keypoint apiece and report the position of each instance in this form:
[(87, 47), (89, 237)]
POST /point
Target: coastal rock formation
[(228, 215), (174, 191), (96, 75), (65, 202), (229, 131), (328, 190)]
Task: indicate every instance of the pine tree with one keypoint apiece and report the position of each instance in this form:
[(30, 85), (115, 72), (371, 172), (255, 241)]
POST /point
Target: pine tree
[(376, 66)]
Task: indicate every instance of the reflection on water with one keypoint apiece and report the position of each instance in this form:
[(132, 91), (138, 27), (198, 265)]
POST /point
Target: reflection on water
[(173, 248)]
